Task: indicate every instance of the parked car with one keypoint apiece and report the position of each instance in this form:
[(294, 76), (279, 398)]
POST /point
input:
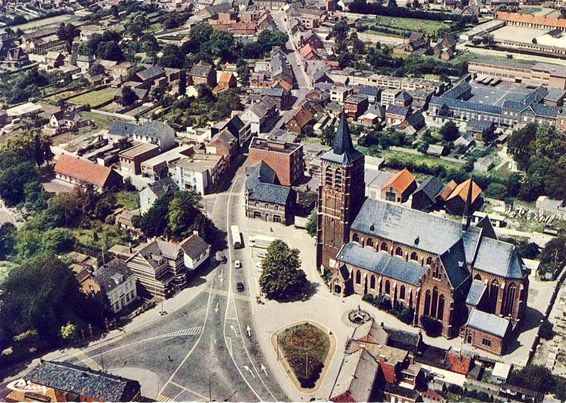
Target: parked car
[(220, 257), (240, 286), (237, 264)]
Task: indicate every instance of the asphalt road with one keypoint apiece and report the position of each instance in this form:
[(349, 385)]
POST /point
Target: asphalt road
[(205, 350)]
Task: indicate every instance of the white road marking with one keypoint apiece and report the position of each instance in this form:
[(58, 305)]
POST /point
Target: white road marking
[(263, 369), (249, 370), (249, 330)]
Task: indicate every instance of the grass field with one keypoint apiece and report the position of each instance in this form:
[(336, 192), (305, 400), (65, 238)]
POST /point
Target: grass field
[(94, 98), (432, 28), (420, 159), (128, 200)]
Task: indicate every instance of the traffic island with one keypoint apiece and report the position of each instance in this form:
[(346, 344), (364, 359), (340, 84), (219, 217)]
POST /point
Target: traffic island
[(305, 351)]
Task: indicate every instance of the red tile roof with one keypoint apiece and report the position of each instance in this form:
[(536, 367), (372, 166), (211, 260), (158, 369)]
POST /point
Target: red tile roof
[(83, 170), (462, 191), (401, 181)]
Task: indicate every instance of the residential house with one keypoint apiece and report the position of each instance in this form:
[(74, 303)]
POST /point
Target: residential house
[(151, 132), (149, 194), (355, 105), (199, 172), (266, 199), (466, 193), (79, 171), (424, 198), (118, 282), (54, 60), (395, 114), (226, 81), (60, 381), (203, 73), (417, 41), (285, 159), (484, 164), (223, 143), (261, 116), (446, 48), (131, 158), (304, 116), (16, 58), (399, 187), (63, 120), (279, 95), (195, 251)]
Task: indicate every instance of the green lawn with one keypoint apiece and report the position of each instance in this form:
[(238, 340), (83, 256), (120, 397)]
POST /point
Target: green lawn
[(94, 98), (100, 237), (128, 200), (432, 28), (101, 121), (420, 159)]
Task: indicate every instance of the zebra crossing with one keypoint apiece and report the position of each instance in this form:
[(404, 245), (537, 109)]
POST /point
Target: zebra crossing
[(229, 345), (162, 398), (191, 331), (224, 293)]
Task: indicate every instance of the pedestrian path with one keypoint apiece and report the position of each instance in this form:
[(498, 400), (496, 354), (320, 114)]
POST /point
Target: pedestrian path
[(163, 398)]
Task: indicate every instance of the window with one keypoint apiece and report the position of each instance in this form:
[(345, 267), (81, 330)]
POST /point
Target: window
[(402, 292), (387, 287), (372, 282), (440, 314), (510, 300), (436, 273), (414, 256), (358, 277), (384, 246), (355, 238), (369, 242), (486, 342), (399, 251), (434, 303), (429, 260), (427, 303)]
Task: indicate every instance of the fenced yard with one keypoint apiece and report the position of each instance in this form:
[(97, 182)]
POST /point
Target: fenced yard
[(94, 98)]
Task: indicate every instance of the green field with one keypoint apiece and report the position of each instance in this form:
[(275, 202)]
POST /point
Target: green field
[(128, 200), (94, 98), (432, 28), (420, 159), (101, 121)]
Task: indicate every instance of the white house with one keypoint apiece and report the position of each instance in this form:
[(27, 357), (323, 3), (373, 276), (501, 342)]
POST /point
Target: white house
[(154, 191), (118, 282), (67, 119), (195, 251)]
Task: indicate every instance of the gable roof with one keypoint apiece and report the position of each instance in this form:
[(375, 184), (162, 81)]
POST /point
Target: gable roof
[(356, 378), (488, 323), (431, 187), (201, 69), (83, 381), (401, 181), (499, 258), (382, 263), (83, 170), (105, 275), (261, 185), (151, 72), (194, 246), (162, 186), (462, 191), (475, 293), (454, 263)]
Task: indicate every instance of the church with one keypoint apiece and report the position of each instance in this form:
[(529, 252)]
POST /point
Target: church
[(456, 274)]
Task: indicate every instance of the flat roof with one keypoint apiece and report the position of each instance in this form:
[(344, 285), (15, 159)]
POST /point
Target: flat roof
[(138, 149), (24, 109), (175, 153)]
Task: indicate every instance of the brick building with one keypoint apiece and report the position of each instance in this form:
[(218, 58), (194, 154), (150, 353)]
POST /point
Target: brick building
[(286, 159), (423, 262)]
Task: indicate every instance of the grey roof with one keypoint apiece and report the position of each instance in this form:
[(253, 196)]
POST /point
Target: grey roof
[(555, 94), (444, 101), (273, 92), (357, 376), (153, 129), (112, 274), (499, 258), (398, 110), (431, 187), (403, 96), (487, 322), (122, 129), (343, 150), (201, 69), (382, 263), (407, 226), (370, 91), (194, 246), (454, 262), (151, 72), (475, 293), (225, 137), (262, 186), (479, 125), (83, 381), (403, 339), (458, 91)]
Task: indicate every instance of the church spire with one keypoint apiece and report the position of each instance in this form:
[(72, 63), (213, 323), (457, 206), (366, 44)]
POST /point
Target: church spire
[(467, 216), (342, 143)]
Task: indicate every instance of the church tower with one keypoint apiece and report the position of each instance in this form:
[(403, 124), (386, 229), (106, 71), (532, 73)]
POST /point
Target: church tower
[(341, 194)]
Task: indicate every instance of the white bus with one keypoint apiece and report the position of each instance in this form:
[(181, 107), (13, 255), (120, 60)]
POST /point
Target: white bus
[(261, 241), (236, 236)]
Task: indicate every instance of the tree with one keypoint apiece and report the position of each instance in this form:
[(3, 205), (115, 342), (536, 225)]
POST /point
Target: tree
[(307, 131), (553, 255), (172, 57), (449, 131), (128, 96), (35, 197), (311, 226), (13, 180), (69, 332), (546, 330), (138, 24), (221, 44), (534, 377), (182, 212), (519, 144), (327, 135), (67, 33), (340, 30), (32, 146), (281, 276), (7, 239)]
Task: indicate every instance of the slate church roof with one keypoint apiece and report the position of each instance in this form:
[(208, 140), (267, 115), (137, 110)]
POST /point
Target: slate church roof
[(343, 151)]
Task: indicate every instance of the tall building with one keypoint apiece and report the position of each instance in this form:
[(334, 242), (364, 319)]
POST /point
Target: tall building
[(455, 277), (341, 194)]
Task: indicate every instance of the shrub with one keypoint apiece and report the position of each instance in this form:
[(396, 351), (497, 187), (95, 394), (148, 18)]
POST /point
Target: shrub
[(431, 326), (382, 302), (368, 298), (455, 389), (546, 330), (406, 315)]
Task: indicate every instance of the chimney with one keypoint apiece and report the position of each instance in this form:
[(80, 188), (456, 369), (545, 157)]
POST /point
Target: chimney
[(195, 232)]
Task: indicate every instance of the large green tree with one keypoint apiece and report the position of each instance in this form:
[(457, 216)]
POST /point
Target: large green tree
[(282, 276)]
